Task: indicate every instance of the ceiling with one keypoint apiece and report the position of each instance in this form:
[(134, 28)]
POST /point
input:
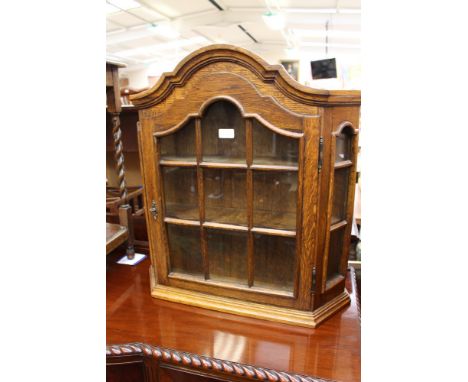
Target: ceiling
[(156, 34)]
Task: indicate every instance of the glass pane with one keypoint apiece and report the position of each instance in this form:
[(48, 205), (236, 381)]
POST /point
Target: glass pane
[(270, 148), (275, 199), (225, 196), (343, 147), (179, 145), (180, 192), (227, 253), (223, 134), (274, 262), (340, 194), (184, 250), (335, 252)]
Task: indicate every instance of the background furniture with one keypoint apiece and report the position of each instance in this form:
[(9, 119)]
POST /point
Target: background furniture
[(141, 362), (117, 234), (124, 184), (249, 179)]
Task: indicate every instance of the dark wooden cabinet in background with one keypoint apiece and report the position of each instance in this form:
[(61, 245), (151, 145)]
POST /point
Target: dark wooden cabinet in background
[(249, 184)]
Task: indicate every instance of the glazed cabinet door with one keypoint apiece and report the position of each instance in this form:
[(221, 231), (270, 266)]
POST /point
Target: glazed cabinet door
[(231, 192)]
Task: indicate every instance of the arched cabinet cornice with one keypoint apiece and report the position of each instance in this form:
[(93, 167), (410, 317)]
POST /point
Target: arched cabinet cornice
[(273, 74), (293, 133)]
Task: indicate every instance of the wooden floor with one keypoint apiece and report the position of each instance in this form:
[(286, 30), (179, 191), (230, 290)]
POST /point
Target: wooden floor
[(332, 351)]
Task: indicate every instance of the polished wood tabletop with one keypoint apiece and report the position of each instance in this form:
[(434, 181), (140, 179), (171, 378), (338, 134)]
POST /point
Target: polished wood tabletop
[(333, 350)]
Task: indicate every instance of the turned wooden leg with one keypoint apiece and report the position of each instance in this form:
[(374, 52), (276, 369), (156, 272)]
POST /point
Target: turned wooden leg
[(119, 156), (126, 219)]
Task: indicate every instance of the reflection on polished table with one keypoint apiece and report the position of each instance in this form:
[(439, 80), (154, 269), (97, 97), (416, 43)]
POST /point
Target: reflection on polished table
[(332, 351)]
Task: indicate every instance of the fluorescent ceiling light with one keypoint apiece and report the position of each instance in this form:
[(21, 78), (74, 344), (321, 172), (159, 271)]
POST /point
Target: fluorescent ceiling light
[(350, 10), (125, 4), (273, 20)]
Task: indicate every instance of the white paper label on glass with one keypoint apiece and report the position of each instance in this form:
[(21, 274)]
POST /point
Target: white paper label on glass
[(226, 133)]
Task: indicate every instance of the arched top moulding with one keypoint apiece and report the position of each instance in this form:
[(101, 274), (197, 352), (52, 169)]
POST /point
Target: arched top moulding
[(272, 74), (240, 109)]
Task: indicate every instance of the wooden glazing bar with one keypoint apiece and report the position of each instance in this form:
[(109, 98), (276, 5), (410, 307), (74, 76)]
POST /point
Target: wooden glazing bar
[(342, 164), (201, 198), (185, 222), (250, 191), (223, 165), (268, 167), (230, 227), (177, 163), (338, 225), (273, 231)]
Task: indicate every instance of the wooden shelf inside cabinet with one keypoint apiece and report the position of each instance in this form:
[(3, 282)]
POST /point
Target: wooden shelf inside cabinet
[(178, 162), (261, 288), (225, 163), (243, 214), (273, 167), (343, 164)]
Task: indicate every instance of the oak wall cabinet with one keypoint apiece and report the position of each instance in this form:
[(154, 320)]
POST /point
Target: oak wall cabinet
[(249, 182)]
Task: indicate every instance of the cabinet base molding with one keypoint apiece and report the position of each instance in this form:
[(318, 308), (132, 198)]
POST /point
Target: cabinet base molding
[(308, 319)]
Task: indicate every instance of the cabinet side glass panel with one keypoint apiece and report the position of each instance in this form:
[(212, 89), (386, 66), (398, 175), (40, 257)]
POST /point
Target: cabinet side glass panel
[(343, 147), (223, 134), (180, 192), (275, 199), (270, 148), (335, 252), (179, 145), (227, 254), (184, 250), (274, 262), (225, 196), (340, 194)]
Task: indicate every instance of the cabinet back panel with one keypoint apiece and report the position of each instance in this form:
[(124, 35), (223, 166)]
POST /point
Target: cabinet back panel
[(179, 145), (222, 118), (227, 253), (180, 192), (274, 262), (271, 148), (184, 250), (275, 199), (225, 196)]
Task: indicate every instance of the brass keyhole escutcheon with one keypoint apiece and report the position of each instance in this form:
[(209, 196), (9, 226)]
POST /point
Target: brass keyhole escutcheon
[(154, 210)]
